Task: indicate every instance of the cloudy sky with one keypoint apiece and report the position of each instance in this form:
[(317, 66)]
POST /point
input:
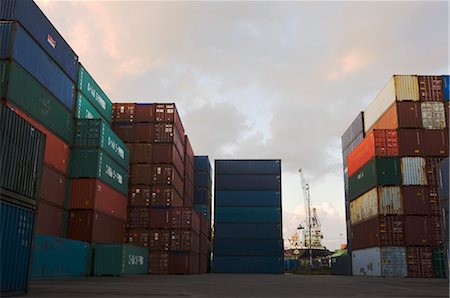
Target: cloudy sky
[(260, 79)]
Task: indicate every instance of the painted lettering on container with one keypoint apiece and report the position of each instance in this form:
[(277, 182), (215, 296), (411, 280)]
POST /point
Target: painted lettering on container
[(96, 95), (51, 41), (135, 260), (116, 147), (113, 174)]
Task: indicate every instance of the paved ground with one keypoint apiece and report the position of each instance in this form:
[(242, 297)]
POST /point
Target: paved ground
[(239, 285)]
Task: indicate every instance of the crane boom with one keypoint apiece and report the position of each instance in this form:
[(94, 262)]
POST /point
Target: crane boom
[(307, 199)]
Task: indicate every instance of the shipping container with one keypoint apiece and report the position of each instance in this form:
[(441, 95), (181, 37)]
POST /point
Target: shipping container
[(203, 179), (432, 171), (138, 217), (430, 88), (413, 171), (188, 193), (166, 175), (355, 129), (85, 110), (340, 265), (59, 257), (435, 142), (205, 226), (94, 163), (446, 87), (247, 215), (248, 198), (95, 133), (165, 196), (140, 152), (94, 227), (433, 115), (138, 237), (16, 239), (185, 218), (248, 230), (22, 153), (379, 231), (184, 240), (203, 263), (53, 186), (56, 150), (376, 143), (377, 201), (420, 261), (381, 171), (28, 14), (23, 49), (387, 261), (168, 154), (189, 152), (401, 114), (410, 142), (49, 219), (158, 262), (119, 259), (183, 263), (159, 239), (204, 210), (248, 264), (436, 230), (24, 92), (160, 218), (133, 112), (168, 133), (439, 262), (168, 113), (423, 230), (202, 196), (95, 94), (201, 163), (417, 200), (94, 194), (247, 182), (244, 247), (140, 195), (135, 132), (443, 175), (350, 148), (248, 167)]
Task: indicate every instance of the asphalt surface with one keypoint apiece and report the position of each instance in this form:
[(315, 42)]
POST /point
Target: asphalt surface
[(239, 285)]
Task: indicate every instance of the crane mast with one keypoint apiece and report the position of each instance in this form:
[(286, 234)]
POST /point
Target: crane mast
[(306, 197)]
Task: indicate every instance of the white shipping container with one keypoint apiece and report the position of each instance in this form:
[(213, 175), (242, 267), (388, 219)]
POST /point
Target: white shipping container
[(377, 201), (386, 261), (413, 171), (399, 87), (433, 115)]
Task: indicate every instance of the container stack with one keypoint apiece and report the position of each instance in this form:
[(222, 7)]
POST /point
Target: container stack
[(22, 154), (160, 214), (203, 204), (98, 169), (39, 71), (247, 217), (444, 195), (395, 221)]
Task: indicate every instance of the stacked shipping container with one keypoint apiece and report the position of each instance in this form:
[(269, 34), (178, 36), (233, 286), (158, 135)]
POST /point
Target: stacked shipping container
[(444, 195), (247, 217), (395, 223)]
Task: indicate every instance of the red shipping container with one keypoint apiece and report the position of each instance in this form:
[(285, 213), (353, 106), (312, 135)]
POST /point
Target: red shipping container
[(435, 142), (168, 154), (431, 168), (188, 152), (140, 195), (132, 112), (435, 202), (124, 132), (141, 174), (168, 113), (160, 218), (140, 152), (134, 132), (204, 244), (56, 150), (138, 217), (419, 231), (379, 231), (420, 261), (167, 133), (410, 142), (430, 88), (144, 112), (53, 186), (416, 200), (166, 196), (205, 226), (402, 114), (94, 194), (203, 263), (436, 230), (49, 219), (167, 175), (159, 239), (94, 227), (183, 263), (376, 143), (158, 262), (188, 191), (184, 240), (139, 237), (185, 218)]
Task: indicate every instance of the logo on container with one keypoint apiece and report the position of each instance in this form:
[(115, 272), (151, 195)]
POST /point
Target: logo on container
[(51, 41)]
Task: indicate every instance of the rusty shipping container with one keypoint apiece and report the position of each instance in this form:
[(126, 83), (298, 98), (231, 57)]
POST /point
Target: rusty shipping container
[(413, 171), (159, 239), (53, 186), (94, 194), (138, 237), (376, 143), (435, 142), (165, 196), (423, 230), (140, 152), (133, 112), (183, 263), (401, 114), (430, 88), (94, 227), (420, 200), (433, 115), (158, 262), (49, 220), (379, 231), (420, 261), (138, 217), (168, 154)]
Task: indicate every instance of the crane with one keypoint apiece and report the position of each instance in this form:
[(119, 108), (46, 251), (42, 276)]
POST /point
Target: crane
[(307, 199)]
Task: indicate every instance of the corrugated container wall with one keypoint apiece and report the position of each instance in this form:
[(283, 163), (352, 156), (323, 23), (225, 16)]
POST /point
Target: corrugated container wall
[(430, 88), (355, 129), (387, 261), (433, 115), (119, 259), (413, 171)]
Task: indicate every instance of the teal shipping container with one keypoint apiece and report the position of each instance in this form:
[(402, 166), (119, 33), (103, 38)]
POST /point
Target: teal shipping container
[(248, 214), (95, 94), (85, 110), (96, 133), (119, 259), (95, 163), (248, 198), (59, 257)]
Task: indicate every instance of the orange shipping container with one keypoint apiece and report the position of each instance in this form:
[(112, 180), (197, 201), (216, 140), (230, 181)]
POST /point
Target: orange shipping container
[(383, 142)]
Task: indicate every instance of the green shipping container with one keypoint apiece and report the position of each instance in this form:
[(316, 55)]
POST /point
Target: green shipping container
[(382, 171), (439, 262), (85, 110), (94, 93), (95, 133), (119, 259), (95, 163), (25, 92)]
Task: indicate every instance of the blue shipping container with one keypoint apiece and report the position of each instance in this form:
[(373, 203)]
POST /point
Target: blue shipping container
[(291, 265), (16, 239), (201, 163), (248, 198), (446, 87), (247, 182), (202, 179), (27, 13), (248, 230), (202, 196), (248, 264), (248, 167), (247, 247), (247, 214), (20, 46), (58, 257), (203, 209)]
